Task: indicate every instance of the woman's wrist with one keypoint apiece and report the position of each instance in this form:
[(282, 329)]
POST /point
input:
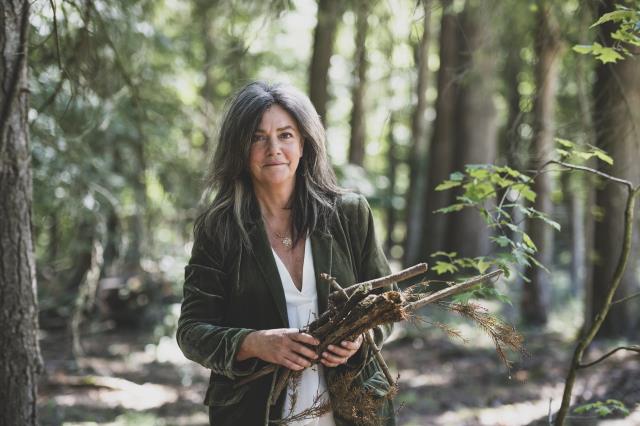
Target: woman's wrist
[(247, 347)]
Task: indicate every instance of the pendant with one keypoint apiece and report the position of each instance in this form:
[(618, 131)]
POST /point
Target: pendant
[(286, 241)]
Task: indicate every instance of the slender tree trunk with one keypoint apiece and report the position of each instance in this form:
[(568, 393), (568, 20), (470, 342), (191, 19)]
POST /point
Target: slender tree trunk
[(534, 302), (205, 16), (476, 118), (442, 141), (358, 126), (392, 158), (329, 12), (137, 231), (617, 124), (583, 273), (581, 200), (512, 146), (419, 149), (20, 360)]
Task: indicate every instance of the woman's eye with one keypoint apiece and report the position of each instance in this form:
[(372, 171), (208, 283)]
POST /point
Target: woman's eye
[(286, 135), (259, 138)]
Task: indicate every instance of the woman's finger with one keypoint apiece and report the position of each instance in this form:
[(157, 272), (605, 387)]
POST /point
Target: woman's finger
[(334, 358), (342, 352), (303, 350), (305, 338), (354, 346), (300, 362), (329, 364), (291, 365)]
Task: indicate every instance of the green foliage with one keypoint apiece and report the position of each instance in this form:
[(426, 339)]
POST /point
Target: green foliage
[(627, 33), (603, 408), (496, 192), (568, 151)]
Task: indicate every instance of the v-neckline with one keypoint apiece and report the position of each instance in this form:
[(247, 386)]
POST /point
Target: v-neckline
[(284, 266)]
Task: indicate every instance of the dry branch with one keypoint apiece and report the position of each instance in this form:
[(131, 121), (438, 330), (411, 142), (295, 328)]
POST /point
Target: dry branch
[(358, 309)]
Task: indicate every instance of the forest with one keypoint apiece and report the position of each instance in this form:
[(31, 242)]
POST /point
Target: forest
[(485, 134)]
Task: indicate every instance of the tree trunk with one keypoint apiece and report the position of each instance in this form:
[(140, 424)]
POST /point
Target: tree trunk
[(323, 41), (392, 158), (440, 150), (476, 125), (535, 297), (137, 231), (582, 223), (418, 153), (20, 360), (617, 124), (358, 126), (205, 11)]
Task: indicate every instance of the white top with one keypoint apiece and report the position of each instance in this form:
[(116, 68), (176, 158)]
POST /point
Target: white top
[(302, 308)]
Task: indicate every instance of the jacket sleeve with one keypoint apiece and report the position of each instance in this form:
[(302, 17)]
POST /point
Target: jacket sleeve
[(372, 264), (201, 333)]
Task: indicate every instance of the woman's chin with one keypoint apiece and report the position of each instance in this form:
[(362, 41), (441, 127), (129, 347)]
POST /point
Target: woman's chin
[(276, 180)]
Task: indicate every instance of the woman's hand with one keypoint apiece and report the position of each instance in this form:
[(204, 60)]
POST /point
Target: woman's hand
[(336, 355), (282, 346)]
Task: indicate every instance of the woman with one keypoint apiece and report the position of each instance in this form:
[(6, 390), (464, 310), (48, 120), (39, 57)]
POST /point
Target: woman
[(277, 221)]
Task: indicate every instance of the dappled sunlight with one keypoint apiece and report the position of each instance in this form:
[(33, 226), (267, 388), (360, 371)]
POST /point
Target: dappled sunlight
[(114, 392)]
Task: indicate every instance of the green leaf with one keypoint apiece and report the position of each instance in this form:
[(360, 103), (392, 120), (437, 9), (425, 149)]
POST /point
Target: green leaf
[(444, 267), (502, 241), (456, 176), (482, 265), (616, 15), (479, 173), (583, 48), (451, 208), (548, 221), (444, 253), (564, 142), (528, 241), (603, 156), (447, 184), (525, 191), (605, 54)]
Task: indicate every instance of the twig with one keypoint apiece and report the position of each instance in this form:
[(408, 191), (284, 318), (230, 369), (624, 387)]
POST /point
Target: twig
[(369, 334), (589, 170), (405, 274), (634, 348), (455, 289), (624, 299)]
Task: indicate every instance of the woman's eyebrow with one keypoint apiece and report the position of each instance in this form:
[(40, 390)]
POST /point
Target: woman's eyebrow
[(277, 130)]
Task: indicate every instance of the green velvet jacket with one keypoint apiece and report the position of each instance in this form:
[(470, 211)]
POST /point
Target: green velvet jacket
[(229, 295)]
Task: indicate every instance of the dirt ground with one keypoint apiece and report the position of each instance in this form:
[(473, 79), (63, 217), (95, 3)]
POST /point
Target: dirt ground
[(127, 378)]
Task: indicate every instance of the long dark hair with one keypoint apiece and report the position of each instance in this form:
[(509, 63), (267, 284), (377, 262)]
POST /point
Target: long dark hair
[(234, 205)]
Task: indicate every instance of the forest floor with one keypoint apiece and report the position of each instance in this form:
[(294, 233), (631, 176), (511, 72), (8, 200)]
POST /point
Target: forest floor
[(124, 378)]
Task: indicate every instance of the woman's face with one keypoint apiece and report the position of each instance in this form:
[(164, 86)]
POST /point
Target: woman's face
[(276, 149)]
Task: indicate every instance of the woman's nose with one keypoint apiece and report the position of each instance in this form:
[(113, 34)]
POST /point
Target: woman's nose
[(272, 144)]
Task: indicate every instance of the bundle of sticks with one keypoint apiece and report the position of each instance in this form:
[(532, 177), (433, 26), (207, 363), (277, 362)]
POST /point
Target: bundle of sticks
[(359, 308)]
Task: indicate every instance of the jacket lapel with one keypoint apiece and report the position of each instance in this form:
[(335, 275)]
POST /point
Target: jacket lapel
[(322, 248), (263, 257)]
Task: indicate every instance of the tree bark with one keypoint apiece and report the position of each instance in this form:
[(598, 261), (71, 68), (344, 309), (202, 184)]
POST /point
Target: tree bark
[(329, 12), (440, 150), (392, 158), (617, 123), (20, 360), (358, 126), (535, 298), (418, 153), (205, 11), (476, 124)]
